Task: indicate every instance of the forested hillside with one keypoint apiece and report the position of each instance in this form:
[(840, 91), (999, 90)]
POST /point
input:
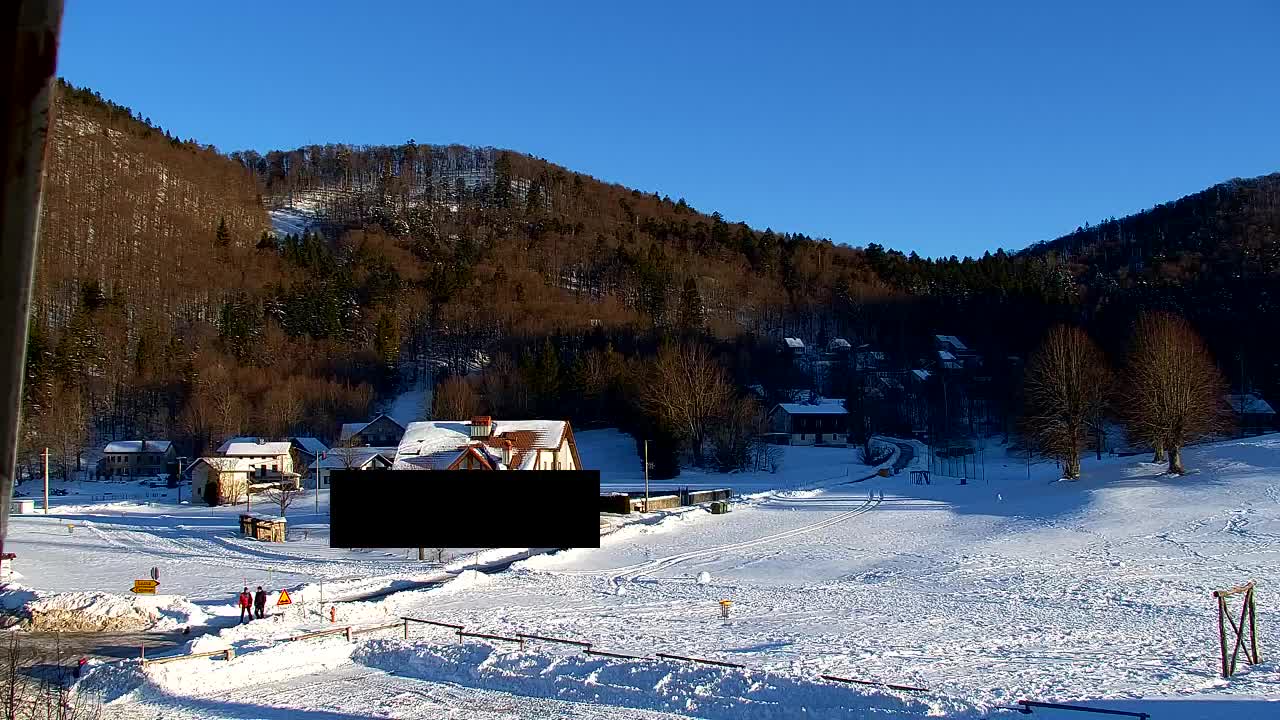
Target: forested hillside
[(164, 308)]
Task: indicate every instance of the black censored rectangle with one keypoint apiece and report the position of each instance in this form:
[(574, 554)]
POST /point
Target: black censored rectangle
[(464, 508)]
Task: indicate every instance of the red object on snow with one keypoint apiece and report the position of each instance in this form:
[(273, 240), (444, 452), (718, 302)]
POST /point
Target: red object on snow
[(333, 614)]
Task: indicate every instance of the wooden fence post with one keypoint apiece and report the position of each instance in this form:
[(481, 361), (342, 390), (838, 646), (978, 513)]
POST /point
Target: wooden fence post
[(1253, 630), (1222, 634)]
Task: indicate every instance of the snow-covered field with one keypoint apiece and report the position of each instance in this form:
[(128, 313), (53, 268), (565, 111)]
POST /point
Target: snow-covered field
[(1096, 591)]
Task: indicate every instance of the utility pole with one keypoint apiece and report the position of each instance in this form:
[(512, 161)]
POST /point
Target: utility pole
[(646, 476), (422, 554), (29, 48), (319, 459), (180, 459), (46, 480)]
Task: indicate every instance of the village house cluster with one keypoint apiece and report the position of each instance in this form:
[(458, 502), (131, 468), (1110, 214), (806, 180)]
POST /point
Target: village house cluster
[(944, 392), (251, 465)]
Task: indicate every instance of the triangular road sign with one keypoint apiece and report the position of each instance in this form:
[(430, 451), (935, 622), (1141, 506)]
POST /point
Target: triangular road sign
[(284, 598)]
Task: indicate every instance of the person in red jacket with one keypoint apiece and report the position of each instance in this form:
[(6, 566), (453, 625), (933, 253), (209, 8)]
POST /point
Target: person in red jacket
[(246, 605)]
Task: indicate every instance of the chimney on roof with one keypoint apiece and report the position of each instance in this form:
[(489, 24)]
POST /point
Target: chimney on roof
[(508, 453), (481, 426)]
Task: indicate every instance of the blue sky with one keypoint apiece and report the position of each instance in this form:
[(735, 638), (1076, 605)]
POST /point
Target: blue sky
[(941, 127)]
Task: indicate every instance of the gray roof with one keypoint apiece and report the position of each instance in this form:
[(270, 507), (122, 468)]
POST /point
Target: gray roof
[(1249, 405), (310, 445), (135, 446), (803, 409)]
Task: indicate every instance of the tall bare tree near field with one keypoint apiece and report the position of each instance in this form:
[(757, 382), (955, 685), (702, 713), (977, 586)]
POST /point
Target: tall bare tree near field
[(686, 389), (455, 399), (281, 408), (66, 428), (283, 494), (1173, 389), (1067, 382)]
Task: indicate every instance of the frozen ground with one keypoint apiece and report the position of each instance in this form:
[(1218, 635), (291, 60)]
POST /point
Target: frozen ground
[(1021, 587)]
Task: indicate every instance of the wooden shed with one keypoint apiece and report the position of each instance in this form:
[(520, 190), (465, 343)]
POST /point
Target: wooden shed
[(269, 528)]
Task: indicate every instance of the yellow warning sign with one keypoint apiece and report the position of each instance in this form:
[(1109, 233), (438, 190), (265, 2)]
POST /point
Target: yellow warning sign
[(145, 587), (284, 598)]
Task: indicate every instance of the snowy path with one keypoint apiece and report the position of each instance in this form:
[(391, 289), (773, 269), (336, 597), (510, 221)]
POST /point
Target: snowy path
[(357, 693), (652, 567)]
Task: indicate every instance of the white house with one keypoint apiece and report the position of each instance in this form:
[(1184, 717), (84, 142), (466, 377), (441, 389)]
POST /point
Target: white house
[(220, 480), (487, 444), (822, 423), (267, 457)]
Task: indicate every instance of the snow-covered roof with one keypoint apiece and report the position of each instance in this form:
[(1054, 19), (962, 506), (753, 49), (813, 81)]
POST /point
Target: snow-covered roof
[(838, 344), (922, 374), (342, 458), (439, 440), (803, 409), (443, 459), (351, 429), (310, 444), (952, 340), (228, 463), (252, 447), (795, 343), (831, 401), (890, 382), (135, 446), (944, 355), (1249, 404)]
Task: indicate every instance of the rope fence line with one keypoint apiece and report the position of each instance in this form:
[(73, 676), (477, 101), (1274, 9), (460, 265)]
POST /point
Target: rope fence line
[(909, 688), (350, 632), (702, 661)]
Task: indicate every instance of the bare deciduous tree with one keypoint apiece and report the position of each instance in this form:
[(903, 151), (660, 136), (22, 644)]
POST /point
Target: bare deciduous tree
[(686, 389), (35, 684), (455, 399), (1067, 382), (1173, 389), (281, 408), (735, 433), (283, 494), (66, 427)]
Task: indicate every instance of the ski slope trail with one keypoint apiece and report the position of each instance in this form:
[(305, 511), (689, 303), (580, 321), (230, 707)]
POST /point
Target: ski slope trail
[(639, 570)]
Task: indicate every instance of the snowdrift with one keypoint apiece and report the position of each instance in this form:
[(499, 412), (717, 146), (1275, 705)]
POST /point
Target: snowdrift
[(706, 692), (99, 611)]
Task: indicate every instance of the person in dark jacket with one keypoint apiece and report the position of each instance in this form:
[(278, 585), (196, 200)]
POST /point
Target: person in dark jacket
[(260, 603), (246, 605)]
